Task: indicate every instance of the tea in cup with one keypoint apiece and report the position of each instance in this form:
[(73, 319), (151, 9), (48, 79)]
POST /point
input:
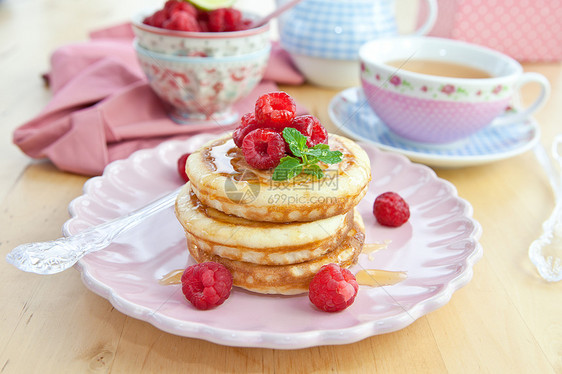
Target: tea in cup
[(437, 91)]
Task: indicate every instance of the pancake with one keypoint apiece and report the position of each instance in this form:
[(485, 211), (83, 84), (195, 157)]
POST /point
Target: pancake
[(222, 179), (265, 243), (286, 279)]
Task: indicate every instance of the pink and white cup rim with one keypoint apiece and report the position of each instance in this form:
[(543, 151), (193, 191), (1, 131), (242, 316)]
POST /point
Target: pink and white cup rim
[(377, 53)]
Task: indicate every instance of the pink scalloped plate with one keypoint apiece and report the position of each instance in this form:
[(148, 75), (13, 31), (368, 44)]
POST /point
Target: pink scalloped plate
[(437, 248)]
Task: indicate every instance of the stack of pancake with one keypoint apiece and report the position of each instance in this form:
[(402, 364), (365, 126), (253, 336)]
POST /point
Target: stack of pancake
[(273, 236)]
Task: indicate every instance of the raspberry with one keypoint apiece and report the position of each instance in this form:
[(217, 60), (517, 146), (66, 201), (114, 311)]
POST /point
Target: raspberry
[(333, 288), (224, 19), (391, 210), (247, 123), (232, 19), (310, 127), (319, 134), (157, 19), (203, 25), (181, 21), (263, 148), (181, 166), (203, 18), (172, 6), (216, 20), (206, 285), (244, 25), (303, 124), (275, 110)]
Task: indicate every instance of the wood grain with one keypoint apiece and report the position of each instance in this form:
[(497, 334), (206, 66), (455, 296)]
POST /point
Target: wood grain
[(505, 320)]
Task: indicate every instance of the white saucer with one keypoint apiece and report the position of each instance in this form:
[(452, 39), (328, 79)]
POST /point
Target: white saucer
[(351, 113)]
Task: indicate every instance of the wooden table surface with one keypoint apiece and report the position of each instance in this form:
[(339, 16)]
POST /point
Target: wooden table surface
[(507, 319)]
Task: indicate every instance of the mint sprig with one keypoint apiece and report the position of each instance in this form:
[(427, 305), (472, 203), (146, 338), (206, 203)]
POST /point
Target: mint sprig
[(306, 159)]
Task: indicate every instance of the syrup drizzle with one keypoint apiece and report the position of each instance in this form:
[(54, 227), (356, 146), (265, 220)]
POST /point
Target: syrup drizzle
[(366, 277), (225, 158), (378, 278), (370, 248), (173, 277)]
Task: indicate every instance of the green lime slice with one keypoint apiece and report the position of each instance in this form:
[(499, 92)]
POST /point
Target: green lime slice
[(212, 4)]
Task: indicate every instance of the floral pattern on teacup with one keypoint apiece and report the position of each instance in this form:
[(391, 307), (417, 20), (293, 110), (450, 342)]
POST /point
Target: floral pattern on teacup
[(447, 91)]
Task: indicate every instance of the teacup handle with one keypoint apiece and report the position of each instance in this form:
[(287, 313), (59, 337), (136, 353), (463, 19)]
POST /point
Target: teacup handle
[(523, 114), (430, 20)]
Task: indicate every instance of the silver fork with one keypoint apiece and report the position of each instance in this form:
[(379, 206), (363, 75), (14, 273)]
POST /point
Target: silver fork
[(60, 254), (546, 251)]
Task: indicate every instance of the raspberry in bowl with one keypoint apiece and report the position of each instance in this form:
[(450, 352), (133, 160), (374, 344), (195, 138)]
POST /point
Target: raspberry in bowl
[(184, 30), (200, 63)]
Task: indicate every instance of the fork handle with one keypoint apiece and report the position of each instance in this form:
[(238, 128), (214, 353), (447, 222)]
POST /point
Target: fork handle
[(58, 255), (546, 251)]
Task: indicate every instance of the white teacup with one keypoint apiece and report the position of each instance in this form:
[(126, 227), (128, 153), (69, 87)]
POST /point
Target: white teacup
[(434, 90)]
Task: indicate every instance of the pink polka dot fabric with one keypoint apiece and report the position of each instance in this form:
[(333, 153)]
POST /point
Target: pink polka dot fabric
[(527, 30)]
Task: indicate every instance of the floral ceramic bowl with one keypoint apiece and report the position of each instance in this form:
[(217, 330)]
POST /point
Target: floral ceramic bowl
[(426, 89), (202, 89), (200, 44)]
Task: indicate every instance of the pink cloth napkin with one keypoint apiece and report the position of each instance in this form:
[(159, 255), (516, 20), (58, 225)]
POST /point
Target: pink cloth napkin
[(103, 109)]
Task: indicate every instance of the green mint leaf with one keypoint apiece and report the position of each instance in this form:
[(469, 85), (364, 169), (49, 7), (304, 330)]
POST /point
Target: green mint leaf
[(322, 153), (289, 167), (306, 159), (322, 147), (332, 157), (314, 170), (295, 140), (318, 151)]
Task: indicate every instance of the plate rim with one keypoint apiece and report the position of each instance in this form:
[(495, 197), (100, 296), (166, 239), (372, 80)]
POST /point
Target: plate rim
[(278, 340)]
